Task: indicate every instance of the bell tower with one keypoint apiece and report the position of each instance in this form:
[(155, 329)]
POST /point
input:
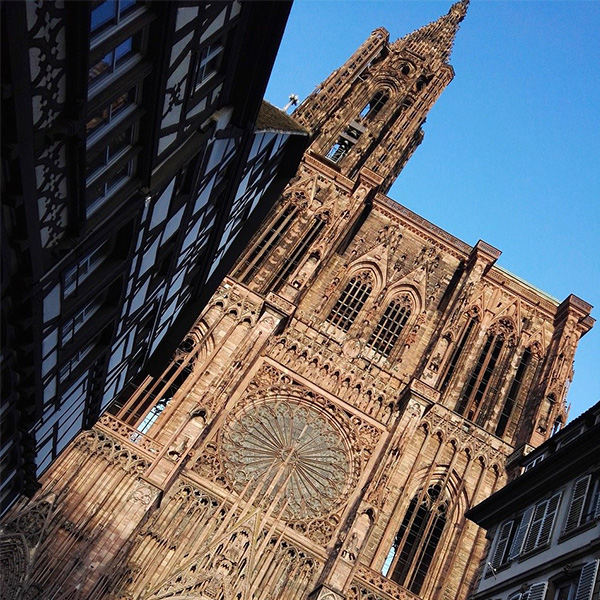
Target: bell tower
[(357, 382), (370, 111)]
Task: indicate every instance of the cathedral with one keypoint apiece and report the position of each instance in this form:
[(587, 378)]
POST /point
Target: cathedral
[(358, 381)]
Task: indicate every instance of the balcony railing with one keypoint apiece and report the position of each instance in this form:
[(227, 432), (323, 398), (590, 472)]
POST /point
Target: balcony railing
[(374, 582), (129, 434)]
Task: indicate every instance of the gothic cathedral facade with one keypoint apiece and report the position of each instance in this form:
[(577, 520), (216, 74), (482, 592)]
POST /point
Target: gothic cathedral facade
[(359, 381)]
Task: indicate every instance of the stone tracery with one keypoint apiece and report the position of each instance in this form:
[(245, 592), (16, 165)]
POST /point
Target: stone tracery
[(290, 445)]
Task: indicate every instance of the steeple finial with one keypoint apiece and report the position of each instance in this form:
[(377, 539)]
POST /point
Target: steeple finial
[(437, 37)]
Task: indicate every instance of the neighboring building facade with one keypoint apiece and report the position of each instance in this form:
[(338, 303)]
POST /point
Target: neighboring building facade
[(351, 389), (544, 526), (133, 175)]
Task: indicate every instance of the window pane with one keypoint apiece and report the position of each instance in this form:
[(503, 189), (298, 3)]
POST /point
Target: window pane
[(123, 50), (104, 13), (102, 68)]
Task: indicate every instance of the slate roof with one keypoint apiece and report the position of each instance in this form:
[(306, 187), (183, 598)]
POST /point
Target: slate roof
[(271, 118)]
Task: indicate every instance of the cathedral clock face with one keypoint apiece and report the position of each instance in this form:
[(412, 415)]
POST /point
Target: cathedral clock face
[(294, 452)]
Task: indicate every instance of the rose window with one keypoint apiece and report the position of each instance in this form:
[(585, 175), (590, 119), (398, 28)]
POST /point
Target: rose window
[(293, 451)]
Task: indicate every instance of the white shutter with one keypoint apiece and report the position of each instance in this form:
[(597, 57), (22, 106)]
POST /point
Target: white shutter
[(536, 525), (597, 511), (580, 490), (517, 544), (587, 579), (500, 550), (549, 518), (536, 592)]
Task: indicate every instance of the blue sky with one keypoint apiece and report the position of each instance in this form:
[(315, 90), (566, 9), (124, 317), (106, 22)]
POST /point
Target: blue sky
[(511, 153)]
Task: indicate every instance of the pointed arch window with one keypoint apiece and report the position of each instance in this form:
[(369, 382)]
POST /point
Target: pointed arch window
[(374, 106), (414, 546), (477, 385), (266, 244), (291, 263), (513, 393), (350, 303), (457, 354), (346, 141), (390, 326), (154, 413)]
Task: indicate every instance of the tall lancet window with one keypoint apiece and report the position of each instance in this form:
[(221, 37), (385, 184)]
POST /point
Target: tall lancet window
[(268, 241), (414, 546), (390, 326), (458, 351), (373, 108), (513, 393), (346, 141), (292, 261), (351, 301), (477, 385)]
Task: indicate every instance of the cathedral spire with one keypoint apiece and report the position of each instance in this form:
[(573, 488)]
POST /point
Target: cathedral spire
[(437, 38), (369, 112)]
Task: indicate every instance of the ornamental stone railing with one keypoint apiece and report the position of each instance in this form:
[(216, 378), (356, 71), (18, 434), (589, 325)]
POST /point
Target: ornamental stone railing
[(129, 434), (368, 583)]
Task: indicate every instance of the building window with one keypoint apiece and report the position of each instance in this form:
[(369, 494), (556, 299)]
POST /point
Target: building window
[(76, 275), (346, 141), (339, 150), (513, 393), (111, 114), (372, 109), (209, 62), (109, 12), (414, 546), (390, 326), (537, 591), (141, 412), (457, 354), (469, 404), (69, 367), (576, 584), (290, 264), (108, 143), (501, 553), (106, 156), (113, 60), (351, 301), (152, 416), (79, 319), (267, 243), (541, 523), (585, 502), (100, 191)]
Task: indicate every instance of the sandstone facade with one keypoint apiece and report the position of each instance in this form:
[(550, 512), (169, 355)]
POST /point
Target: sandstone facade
[(352, 388)]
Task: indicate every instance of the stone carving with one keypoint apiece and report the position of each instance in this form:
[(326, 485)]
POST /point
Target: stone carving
[(47, 53), (292, 445), (371, 585), (129, 433), (114, 451), (20, 538)]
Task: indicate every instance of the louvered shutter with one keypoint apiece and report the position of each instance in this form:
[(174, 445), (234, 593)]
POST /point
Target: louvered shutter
[(536, 592), (549, 518), (517, 544), (587, 579), (536, 525), (597, 510), (503, 538), (577, 503)]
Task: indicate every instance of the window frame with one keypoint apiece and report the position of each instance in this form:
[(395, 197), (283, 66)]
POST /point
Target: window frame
[(389, 328), (414, 543), (351, 301), (473, 394)]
